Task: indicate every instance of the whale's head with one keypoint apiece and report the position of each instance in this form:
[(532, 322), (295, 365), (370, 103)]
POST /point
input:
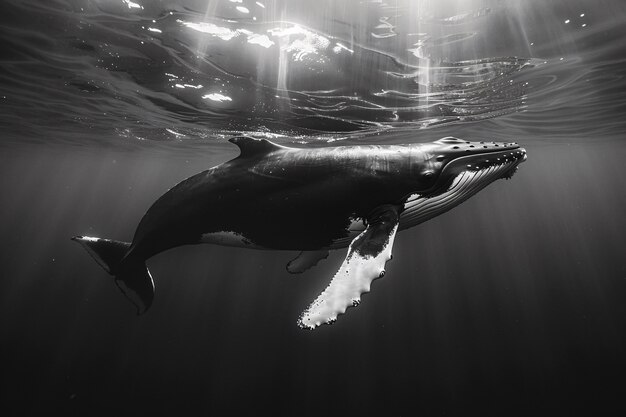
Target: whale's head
[(451, 170)]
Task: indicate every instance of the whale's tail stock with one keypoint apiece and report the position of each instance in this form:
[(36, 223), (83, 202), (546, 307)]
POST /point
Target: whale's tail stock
[(131, 276)]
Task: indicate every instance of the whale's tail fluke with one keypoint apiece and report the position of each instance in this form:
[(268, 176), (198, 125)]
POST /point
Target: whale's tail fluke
[(131, 277)]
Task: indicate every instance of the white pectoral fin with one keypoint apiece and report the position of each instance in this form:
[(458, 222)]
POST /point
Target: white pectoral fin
[(306, 260), (367, 255)]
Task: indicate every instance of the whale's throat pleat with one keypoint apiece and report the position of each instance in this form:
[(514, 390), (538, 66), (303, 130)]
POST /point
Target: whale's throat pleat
[(420, 208)]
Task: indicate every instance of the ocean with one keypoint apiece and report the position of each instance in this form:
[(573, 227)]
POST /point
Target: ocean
[(511, 304)]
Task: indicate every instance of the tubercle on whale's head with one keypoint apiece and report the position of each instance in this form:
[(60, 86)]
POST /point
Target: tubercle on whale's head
[(437, 162)]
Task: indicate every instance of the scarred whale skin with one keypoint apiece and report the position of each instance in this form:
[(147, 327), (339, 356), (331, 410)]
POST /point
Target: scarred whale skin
[(311, 200)]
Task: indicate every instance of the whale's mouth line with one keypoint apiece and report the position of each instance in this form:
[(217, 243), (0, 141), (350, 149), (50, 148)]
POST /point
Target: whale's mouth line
[(480, 161), (464, 177)]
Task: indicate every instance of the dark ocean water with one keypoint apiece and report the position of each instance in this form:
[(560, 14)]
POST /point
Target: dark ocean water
[(511, 304)]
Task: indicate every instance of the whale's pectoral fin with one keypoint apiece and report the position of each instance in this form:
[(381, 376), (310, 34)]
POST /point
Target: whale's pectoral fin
[(306, 260), (365, 261)]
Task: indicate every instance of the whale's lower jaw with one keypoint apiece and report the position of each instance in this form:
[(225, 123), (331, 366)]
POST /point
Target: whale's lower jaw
[(420, 208)]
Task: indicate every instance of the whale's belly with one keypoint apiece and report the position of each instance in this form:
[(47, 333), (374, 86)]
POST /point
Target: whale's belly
[(229, 238), (241, 240)]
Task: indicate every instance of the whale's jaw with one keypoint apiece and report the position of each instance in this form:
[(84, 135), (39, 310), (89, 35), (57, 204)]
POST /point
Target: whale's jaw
[(460, 179)]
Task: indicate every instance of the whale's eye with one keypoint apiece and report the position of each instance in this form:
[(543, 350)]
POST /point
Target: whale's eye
[(428, 174), (440, 158)]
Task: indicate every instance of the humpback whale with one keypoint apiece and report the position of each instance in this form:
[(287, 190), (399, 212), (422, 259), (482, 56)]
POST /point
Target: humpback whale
[(311, 200)]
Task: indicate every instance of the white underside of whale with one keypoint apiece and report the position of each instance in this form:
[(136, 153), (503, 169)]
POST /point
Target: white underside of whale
[(229, 238)]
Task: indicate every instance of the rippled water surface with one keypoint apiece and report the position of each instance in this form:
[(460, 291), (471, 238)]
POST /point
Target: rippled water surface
[(511, 304)]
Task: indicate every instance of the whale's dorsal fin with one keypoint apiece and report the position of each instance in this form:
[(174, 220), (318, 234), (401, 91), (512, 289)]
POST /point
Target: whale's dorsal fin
[(253, 147)]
